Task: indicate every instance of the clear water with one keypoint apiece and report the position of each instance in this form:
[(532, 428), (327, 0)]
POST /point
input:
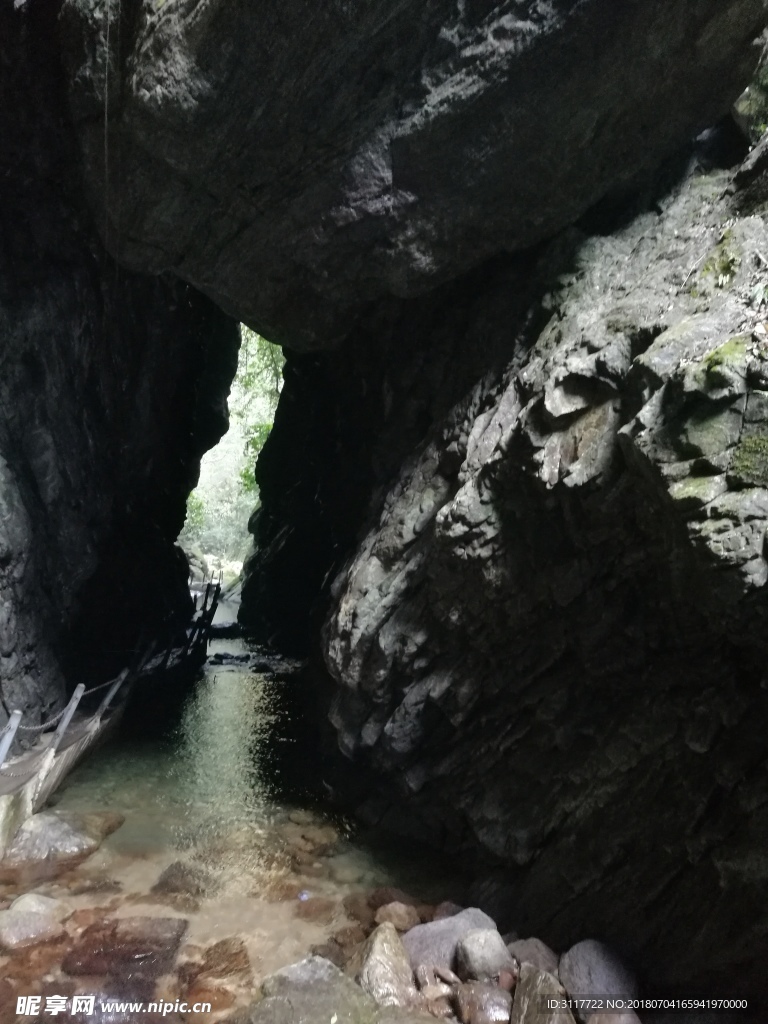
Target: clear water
[(202, 786)]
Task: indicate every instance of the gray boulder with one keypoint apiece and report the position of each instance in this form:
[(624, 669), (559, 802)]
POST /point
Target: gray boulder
[(481, 955), (535, 952), (31, 919), (54, 840), (315, 990), (592, 969), (384, 970), (434, 944)]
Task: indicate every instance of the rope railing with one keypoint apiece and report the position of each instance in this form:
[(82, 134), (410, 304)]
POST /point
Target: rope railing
[(195, 634)]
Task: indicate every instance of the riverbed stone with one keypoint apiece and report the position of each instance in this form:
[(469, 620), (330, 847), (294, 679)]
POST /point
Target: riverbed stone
[(591, 968), (311, 991), (183, 878), (400, 915), (130, 946), (534, 951), (226, 957), (383, 970), (534, 987), (481, 955), (479, 1003), (36, 903), (21, 928), (434, 944), (52, 841)]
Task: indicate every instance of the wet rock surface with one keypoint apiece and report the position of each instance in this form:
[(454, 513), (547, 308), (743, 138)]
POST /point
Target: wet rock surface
[(50, 842), (384, 970), (128, 947)]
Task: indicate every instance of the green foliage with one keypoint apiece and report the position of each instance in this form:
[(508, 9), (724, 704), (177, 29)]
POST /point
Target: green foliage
[(752, 107), (259, 432), (219, 509), (195, 520)]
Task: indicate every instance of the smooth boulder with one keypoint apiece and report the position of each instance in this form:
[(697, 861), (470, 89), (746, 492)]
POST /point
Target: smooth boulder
[(534, 951), (590, 968), (434, 944), (481, 956)]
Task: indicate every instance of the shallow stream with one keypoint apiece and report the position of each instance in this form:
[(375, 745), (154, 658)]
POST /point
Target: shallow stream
[(200, 787)]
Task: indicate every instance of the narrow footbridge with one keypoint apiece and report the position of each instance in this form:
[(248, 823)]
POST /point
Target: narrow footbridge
[(28, 779)]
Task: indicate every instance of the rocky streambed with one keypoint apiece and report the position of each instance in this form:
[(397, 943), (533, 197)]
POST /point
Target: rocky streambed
[(176, 867)]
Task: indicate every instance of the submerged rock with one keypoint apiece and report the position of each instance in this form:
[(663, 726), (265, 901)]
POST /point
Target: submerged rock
[(131, 946), (30, 920), (225, 958), (50, 842)]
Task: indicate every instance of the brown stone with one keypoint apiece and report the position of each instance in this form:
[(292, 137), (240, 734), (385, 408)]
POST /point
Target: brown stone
[(282, 889), (227, 957), (389, 894), (316, 908), (7, 1002), (185, 879), (200, 992), (426, 912), (401, 915), (140, 946), (480, 1003), (351, 935), (533, 988), (85, 917), (357, 907), (189, 971), (331, 950)]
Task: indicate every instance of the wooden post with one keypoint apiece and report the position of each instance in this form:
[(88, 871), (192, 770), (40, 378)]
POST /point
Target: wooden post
[(110, 695), (63, 725), (8, 735)]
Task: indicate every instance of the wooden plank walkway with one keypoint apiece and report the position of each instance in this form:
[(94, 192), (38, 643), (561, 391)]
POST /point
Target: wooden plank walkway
[(28, 780)]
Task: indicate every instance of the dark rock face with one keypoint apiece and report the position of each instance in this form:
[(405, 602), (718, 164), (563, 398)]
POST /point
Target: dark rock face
[(111, 387), (297, 162), (551, 642)]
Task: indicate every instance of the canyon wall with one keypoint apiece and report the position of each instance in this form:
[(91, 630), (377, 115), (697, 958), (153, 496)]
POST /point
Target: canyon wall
[(112, 384)]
